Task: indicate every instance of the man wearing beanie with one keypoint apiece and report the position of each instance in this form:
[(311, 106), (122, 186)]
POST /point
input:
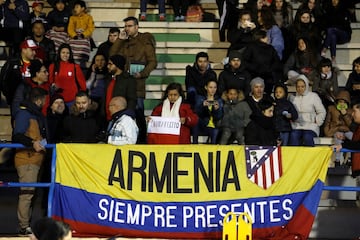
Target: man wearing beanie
[(56, 112), (257, 94), (120, 84), (234, 75)]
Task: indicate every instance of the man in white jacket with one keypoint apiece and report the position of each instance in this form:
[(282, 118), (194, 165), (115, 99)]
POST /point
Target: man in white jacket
[(122, 128)]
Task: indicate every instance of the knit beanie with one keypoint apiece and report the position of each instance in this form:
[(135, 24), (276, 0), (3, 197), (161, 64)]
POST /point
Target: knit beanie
[(255, 81), (119, 61), (234, 54), (54, 97)]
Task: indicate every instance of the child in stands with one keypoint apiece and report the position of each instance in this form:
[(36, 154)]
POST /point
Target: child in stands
[(172, 105), (284, 112), (58, 20), (80, 29), (236, 117)]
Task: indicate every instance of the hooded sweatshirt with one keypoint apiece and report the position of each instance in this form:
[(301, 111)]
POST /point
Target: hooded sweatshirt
[(310, 109)]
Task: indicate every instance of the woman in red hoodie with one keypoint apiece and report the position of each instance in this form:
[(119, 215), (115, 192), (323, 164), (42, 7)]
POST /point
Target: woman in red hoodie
[(65, 76), (173, 106)]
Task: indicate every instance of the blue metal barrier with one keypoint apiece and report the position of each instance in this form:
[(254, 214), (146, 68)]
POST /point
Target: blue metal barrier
[(50, 185)]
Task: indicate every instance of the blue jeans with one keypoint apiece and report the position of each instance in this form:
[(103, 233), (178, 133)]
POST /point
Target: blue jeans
[(302, 138), (284, 136), (335, 36), (207, 131), (161, 4)]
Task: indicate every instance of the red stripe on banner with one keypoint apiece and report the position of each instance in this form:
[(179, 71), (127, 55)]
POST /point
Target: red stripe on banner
[(272, 168), (263, 167), (81, 229)]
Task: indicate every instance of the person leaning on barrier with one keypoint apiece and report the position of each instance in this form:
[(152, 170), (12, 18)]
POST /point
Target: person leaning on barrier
[(354, 143), (122, 128), (29, 130)]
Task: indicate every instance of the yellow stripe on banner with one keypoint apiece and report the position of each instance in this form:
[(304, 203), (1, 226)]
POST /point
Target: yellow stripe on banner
[(182, 173)]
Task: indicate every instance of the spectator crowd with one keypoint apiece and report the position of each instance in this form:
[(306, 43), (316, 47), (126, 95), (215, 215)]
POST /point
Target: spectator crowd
[(54, 97)]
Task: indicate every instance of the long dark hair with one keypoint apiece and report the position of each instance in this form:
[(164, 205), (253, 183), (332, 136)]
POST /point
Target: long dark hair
[(267, 18), (58, 59), (174, 86)]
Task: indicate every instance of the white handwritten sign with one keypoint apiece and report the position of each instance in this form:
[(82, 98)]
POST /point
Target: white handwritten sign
[(164, 125)]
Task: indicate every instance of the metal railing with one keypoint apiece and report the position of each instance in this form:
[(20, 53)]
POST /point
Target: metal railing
[(51, 184)]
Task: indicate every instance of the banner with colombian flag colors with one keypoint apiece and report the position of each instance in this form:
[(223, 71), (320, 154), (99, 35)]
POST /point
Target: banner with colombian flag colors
[(184, 191)]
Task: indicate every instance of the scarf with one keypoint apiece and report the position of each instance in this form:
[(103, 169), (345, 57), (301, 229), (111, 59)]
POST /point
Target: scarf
[(171, 111)]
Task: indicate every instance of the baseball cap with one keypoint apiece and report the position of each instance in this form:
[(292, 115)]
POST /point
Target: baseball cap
[(29, 43)]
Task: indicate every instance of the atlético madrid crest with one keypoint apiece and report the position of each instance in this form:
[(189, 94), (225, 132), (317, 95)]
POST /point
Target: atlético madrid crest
[(263, 165)]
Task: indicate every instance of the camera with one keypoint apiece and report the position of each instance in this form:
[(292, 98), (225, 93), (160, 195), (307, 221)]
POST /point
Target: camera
[(211, 102)]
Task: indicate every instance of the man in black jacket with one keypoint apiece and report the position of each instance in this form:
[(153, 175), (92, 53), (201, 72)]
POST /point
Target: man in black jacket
[(197, 76)]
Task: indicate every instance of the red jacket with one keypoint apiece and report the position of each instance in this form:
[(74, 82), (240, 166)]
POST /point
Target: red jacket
[(191, 120), (65, 79)]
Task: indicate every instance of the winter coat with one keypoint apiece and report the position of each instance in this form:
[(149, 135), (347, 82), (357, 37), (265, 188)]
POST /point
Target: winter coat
[(276, 39), (236, 115), (282, 123), (59, 19), (81, 127), (310, 110), (65, 79), (138, 50), (338, 17), (29, 126), (122, 128), (254, 104), (261, 131), (239, 38), (46, 52), (335, 121), (17, 18), (261, 60), (327, 88), (55, 123), (10, 78), (194, 79), (302, 62), (185, 111), (84, 22), (23, 92), (238, 79), (125, 86), (204, 113), (353, 78)]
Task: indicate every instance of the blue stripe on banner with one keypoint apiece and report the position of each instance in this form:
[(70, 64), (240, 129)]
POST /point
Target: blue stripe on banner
[(91, 208)]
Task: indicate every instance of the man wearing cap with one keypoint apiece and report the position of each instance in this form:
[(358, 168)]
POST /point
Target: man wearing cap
[(120, 84), (234, 75), (139, 52), (16, 70)]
